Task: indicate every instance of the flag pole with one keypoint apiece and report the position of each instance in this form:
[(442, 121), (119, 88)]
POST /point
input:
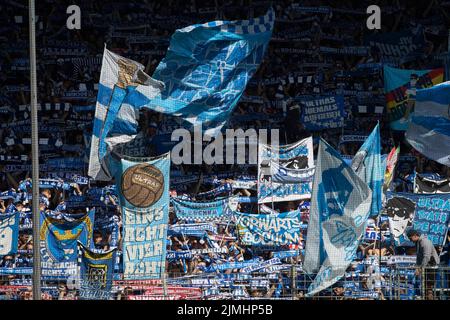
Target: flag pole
[(35, 155)]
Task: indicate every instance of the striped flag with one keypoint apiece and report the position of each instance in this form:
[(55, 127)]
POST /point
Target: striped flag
[(116, 113), (429, 131)]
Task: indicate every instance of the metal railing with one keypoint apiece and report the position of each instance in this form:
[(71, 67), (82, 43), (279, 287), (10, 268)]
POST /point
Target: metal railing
[(399, 283)]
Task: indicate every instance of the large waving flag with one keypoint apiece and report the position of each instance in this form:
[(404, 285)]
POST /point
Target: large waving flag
[(340, 207), (115, 116), (206, 69), (429, 131), (368, 166)]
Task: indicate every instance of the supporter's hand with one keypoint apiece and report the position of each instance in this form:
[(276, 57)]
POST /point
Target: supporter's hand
[(417, 273)]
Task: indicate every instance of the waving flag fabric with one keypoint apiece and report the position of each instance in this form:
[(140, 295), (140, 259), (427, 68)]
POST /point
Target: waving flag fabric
[(206, 69), (429, 132), (368, 166), (115, 116), (339, 210)]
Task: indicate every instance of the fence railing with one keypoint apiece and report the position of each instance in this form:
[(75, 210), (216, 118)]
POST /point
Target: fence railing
[(400, 283)]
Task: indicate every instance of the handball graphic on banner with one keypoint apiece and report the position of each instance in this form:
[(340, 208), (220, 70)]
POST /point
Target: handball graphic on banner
[(144, 199)]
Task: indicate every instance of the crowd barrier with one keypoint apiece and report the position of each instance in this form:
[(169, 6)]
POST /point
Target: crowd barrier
[(401, 283)]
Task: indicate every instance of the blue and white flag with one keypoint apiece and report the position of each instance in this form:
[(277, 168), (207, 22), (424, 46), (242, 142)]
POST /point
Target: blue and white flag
[(96, 273), (60, 232), (144, 198), (339, 211), (369, 167), (429, 131), (9, 233), (58, 241), (206, 69), (189, 210), (116, 112), (285, 172)]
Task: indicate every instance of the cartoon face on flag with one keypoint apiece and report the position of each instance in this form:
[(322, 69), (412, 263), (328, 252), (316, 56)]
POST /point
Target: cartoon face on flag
[(285, 172), (401, 214), (427, 213)]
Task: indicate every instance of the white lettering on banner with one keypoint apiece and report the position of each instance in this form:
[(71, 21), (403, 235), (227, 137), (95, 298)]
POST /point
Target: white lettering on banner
[(147, 217), (142, 268), (139, 234), (140, 251)]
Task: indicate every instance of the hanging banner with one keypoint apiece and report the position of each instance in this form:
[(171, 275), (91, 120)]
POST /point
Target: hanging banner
[(431, 184), (427, 213), (58, 236), (144, 197), (289, 163), (325, 112), (400, 88), (398, 47), (193, 211), (96, 273), (9, 233), (268, 229)]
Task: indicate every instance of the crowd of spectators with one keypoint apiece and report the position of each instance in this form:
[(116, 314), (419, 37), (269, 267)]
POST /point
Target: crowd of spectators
[(68, 68)]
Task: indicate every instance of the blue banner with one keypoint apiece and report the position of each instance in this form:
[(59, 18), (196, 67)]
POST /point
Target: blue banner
[(58, 236), (269, 229), (280, 166), (194, 211), (398, 47), (207, 67), (96, 272), (427, 213), (144, 198), (9, 233), (325, 112)]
